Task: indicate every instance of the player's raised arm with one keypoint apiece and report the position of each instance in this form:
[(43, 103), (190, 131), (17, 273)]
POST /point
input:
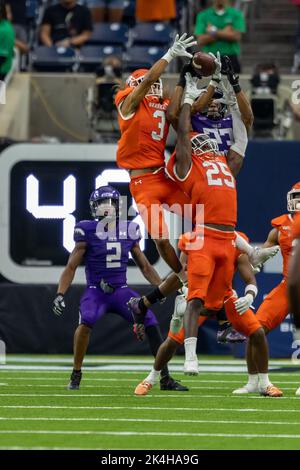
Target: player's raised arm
[(67, 277), (205, 98), (144, 265), (236, 154), (183, 156), (178, 49)]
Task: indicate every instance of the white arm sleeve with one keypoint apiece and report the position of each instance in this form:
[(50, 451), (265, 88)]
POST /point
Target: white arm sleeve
[(240, 136)]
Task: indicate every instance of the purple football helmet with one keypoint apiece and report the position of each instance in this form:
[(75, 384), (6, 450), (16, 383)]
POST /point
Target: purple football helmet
[(104, 203)]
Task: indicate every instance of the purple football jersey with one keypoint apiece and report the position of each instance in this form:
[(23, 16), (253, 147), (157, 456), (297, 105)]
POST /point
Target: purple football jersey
[(220, 130), (107, 253)]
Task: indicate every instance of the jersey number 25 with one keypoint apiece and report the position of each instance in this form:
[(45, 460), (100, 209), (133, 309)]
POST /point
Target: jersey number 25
[(218, 174)]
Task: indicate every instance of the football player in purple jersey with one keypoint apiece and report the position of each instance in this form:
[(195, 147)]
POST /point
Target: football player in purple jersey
[(104, 244)]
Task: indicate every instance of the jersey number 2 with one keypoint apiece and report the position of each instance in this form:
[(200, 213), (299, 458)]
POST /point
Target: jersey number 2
[(113, 260), (161, 125)]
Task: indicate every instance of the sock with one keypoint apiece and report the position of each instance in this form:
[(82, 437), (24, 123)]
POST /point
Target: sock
[(264, 381), (142, 306), (77, 371), (221, 315), (154, 296), (155, 340), (224, 326), (152, 378), (242, 245), (190, 345), (253, 379)]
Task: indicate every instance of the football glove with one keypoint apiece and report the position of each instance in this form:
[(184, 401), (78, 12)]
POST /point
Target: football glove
[(243, 303), (233, 78), (58, 305), (217, 73), (179, 48), (187, 68), (191, 90)]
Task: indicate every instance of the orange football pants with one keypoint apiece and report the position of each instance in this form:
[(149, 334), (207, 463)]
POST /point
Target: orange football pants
[(150, 191), (211, 268), (247, 323), (274, 308)]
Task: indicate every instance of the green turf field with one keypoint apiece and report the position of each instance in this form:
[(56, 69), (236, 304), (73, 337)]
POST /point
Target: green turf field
[(37, 412)]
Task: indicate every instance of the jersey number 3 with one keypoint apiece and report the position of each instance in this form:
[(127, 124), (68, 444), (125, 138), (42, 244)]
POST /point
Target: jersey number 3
[(161, 125), (113, 260), (218, 174)]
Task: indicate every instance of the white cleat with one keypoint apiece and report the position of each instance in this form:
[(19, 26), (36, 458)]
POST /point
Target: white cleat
[(177, 317), (298, 392), (191, 367), (261, 255), (246, 389)]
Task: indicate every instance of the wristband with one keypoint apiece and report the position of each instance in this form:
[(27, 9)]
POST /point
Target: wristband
[(189, 101), (236, 88), (252, 288), (215, 83), (168, 56)]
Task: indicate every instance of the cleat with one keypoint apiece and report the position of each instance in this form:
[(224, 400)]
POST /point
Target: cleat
[(138, 317), (74, 381), (143, 388), (169, 383), (298, 392), (271, 391), (230, 335), (261, 255), (177, 317), (191, 367), (246, 389)]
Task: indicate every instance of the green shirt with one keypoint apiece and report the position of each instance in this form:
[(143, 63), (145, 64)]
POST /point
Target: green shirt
[(231, 17), (7, 41)]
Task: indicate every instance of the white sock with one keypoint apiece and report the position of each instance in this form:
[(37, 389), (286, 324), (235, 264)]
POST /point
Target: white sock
[(253, 379), (153, 377), (264, 381), (190, 345), (242, 245)]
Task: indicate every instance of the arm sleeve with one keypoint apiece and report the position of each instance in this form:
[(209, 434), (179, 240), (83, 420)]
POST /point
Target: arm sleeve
[(239, 22), (201, 25), (239, 133), (87, 23), (80, 234), (47, 18)]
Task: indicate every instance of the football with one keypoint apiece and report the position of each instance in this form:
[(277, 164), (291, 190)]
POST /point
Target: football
[(203, 64)]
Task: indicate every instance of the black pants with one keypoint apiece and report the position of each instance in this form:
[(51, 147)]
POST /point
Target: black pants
[(235, 63)]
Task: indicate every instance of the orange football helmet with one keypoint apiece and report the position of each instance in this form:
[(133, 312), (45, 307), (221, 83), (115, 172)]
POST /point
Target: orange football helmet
[(293, 198), (138, 76)]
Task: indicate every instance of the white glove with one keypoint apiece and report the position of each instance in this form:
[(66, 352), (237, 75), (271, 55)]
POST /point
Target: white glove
[(177, 317), (243, 303), (184, 291), (191, 89), (179, 47), (217, 76)]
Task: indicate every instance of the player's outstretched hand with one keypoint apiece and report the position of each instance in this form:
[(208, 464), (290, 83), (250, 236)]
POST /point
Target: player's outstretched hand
[(187, 68), (217, 77), (180, 46), (191, 89), (233, 78), (58, 305), (243, 303)]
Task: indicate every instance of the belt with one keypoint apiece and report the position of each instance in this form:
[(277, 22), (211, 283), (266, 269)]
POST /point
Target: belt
[(106, 287)]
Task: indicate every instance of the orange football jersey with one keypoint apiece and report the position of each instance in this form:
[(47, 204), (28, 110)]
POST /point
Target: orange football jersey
[(211, 183), (143, 134), (284, 225), (296, 228)]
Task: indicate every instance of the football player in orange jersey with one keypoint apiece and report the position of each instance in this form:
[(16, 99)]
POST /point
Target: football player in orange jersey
[(294, 280), (237, 310), (275, 306), (203, 173), (144, 128)]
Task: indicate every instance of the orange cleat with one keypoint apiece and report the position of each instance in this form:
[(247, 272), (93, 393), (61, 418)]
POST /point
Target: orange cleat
[(142, 388), (272, 391)]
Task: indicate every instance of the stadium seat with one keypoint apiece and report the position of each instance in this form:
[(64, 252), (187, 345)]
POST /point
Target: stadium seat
[(110, 34), (92, 56), (53, 59), (129, 13), (142, 56), (145, 34)]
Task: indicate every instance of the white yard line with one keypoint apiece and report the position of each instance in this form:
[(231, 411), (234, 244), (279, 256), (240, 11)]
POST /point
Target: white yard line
[(168, 434), (123, 395), (142, 408), (145, 420)]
